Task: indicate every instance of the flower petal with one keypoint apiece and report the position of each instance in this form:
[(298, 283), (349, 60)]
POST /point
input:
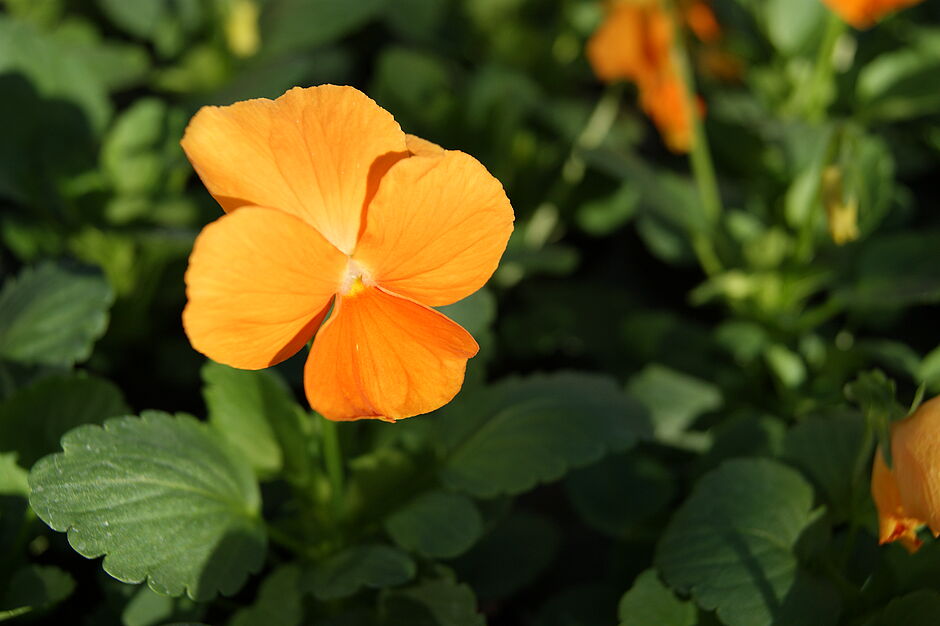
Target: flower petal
[(633, 42), (317, 153), (380, 355), (422, 147), (894, 523), (436, 228), (258, 285), (862, 14)]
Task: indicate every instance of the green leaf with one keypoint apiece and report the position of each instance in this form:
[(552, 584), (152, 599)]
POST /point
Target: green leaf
[(620, 491), (732, 543), (117, 65), (52, 69), (508, 438), (829, 449), (34, 419), (604, 215), (52, 314), (674, 401), (32, 588), (141, 147), (14, 489), (511, 556), (288, 25), (786, 365), (279, 601), (793, 25), (244, 406), (159, 20), (649, 603), (919, 608), (895, 85), (893, 272), (161, 497), (418, 86), (14, 480), (436, 524), (374, 566), (147, 608), (440, 602)]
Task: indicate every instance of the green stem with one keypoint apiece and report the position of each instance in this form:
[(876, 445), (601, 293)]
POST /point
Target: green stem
[(595, 130), (703, 169), (333, 457), (819, 93), (282, 538)]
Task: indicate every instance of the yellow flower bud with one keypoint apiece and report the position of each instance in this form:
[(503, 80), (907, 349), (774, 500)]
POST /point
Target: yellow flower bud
[(241, 28), (842, 214)]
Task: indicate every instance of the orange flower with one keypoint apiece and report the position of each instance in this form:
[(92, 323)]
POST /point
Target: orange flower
[(666, 103), (635, 43), (864, 13), (908, 495), (330, 204)]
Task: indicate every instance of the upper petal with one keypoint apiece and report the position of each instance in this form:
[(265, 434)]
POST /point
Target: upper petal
[(383, 356), (436, 228), (317, 153), (633, 42), (258, 285)]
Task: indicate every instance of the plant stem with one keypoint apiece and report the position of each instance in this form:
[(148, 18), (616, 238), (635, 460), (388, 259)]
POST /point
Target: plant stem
[(282, 538), (818, 95), (333, 457), (703, 169)]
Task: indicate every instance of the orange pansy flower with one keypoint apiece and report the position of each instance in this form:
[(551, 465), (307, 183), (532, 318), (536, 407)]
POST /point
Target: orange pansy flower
[(907, 496), (635, 43), (864, 13), (333, 210)]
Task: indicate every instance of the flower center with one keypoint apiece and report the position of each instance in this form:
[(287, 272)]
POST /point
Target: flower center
[(355, 280)]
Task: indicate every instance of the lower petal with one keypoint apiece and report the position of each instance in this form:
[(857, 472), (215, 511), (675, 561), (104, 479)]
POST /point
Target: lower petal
[(259, 284), (894, 522), (383, 356)]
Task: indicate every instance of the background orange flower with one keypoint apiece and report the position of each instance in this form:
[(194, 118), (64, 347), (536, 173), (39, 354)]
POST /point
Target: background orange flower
[(864, 13), (908, 494), (635, 43)]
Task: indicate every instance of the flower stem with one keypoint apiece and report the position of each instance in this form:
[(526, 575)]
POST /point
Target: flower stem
[(703, 169), (282, 538), (818, 93), (333, 458)]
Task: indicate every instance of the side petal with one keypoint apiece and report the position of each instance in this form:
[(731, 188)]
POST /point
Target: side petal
[(317, 153), (258, 285), (436, 229), (383, 356), (894, 523)]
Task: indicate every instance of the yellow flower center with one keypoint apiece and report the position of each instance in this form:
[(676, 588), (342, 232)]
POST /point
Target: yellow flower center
[(355, 280)]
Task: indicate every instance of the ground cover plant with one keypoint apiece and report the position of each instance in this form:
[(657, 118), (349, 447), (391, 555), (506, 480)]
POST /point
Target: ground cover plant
[(464, 312)]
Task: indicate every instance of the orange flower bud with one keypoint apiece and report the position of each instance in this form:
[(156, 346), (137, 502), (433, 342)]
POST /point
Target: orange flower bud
[(907, 496)]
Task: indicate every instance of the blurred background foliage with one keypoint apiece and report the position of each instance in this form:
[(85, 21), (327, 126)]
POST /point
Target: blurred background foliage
[(825, 264)]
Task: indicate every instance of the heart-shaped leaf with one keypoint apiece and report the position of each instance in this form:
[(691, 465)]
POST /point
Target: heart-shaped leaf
[(510, 437), (161, 497)]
